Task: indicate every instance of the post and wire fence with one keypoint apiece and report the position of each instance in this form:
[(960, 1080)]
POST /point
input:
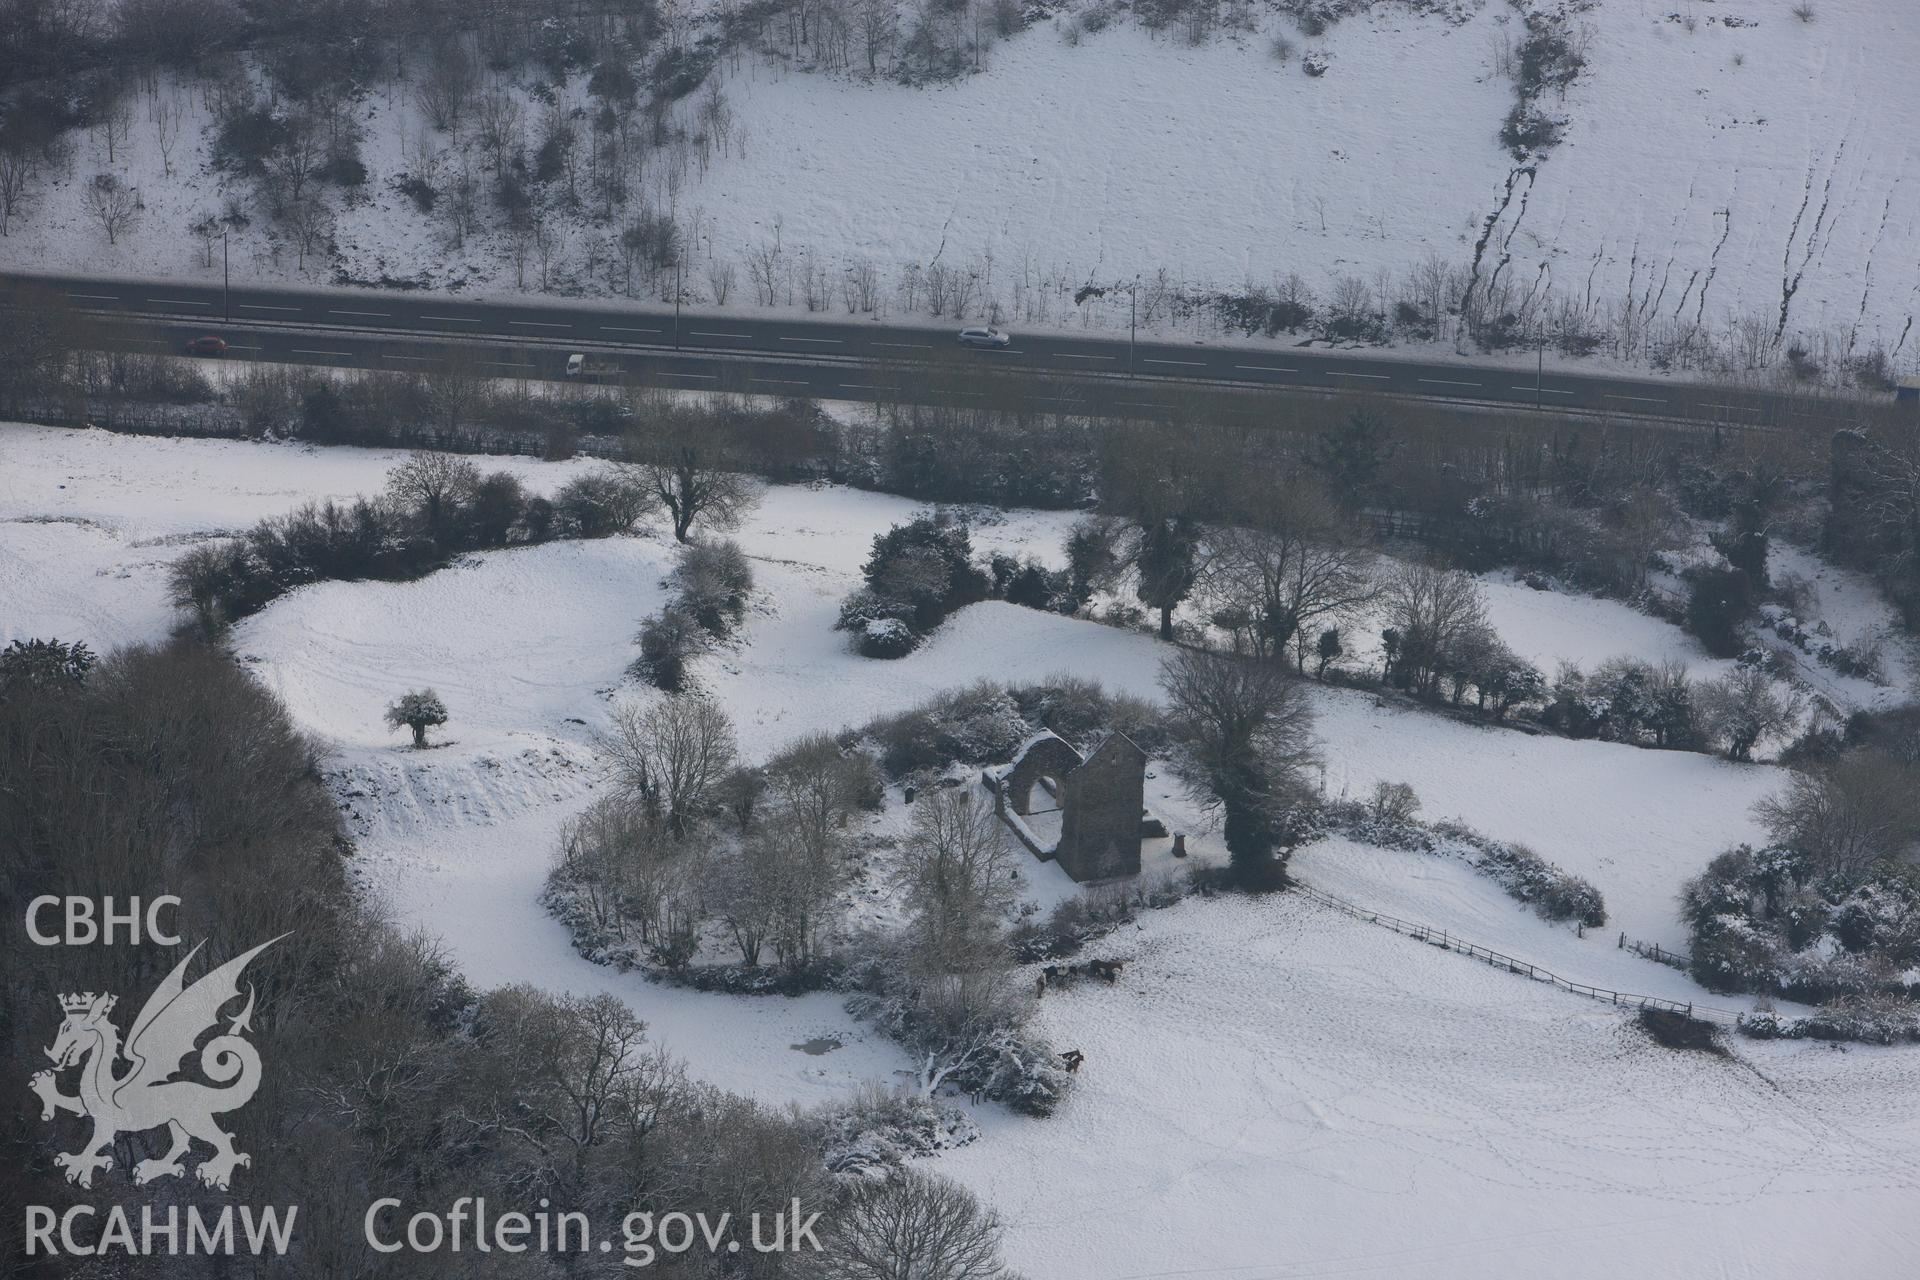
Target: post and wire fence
[(1655, 952), (1513, 964)]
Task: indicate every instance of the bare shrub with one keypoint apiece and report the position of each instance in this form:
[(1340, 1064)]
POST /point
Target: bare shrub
[(720, 275)]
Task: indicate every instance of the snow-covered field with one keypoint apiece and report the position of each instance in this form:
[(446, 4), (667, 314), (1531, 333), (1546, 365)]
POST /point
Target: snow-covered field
[(1721, 160), (529, 646), (90, 520), (1276, 1091), (1272, 1089)]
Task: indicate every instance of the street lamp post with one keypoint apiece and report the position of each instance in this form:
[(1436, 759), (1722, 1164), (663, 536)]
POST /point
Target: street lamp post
[(679, 266), (1133, 318), (226, 283)]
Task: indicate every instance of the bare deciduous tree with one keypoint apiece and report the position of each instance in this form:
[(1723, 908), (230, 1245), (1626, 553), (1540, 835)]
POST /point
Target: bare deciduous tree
[(669, 755), (1647, 523), (1432, 612), (116, 122), (965, 1021), (519, 247), (719, 280), (766, 267), (454, 384), (579, 1065), (940, 281), (1275, 585), (879, 26), (462, 204), (447, 88), (814, 287), (310, 222), (1883, 467), (742, 887), (860, 286), (38, 343), (1743, 709), (680, 464), (166, 130), (1848, 814), (820, 783), (499, 118), (297, 158), (780, 886), (112, 204), (913, 1226), (628, 871), (956, 874), (716, 115), (434, 486), (207, 229), (549, 243), (16, 169)]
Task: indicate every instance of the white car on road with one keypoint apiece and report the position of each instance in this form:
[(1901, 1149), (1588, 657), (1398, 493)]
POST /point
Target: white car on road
[(984, 337)]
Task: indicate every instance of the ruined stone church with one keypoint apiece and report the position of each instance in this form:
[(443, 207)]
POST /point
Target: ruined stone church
[(1099, 799)]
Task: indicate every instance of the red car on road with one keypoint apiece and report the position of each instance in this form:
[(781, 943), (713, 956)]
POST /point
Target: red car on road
[(207, 346)]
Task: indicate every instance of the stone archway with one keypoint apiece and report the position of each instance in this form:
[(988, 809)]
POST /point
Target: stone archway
[(1098, 798), (1045, 756)]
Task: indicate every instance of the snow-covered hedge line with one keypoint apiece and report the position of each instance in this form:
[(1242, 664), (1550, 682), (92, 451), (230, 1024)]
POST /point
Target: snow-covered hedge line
[(922, 570), (1769, 921), (1096, 913), (711, 584), (435, 507), (1000, 1063), (1553, 893), (582, 907), (1866, 1019), (879, 1129), (599, 935)]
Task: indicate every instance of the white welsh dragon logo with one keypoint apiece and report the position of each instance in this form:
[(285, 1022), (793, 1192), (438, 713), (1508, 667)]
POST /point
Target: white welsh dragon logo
[(146, 1095)]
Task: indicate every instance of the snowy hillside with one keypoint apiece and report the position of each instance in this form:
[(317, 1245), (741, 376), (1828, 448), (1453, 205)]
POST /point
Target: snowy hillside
[(533, 643), (1347, 832), (1272, 1088), (1729, 180), (530, 646)]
